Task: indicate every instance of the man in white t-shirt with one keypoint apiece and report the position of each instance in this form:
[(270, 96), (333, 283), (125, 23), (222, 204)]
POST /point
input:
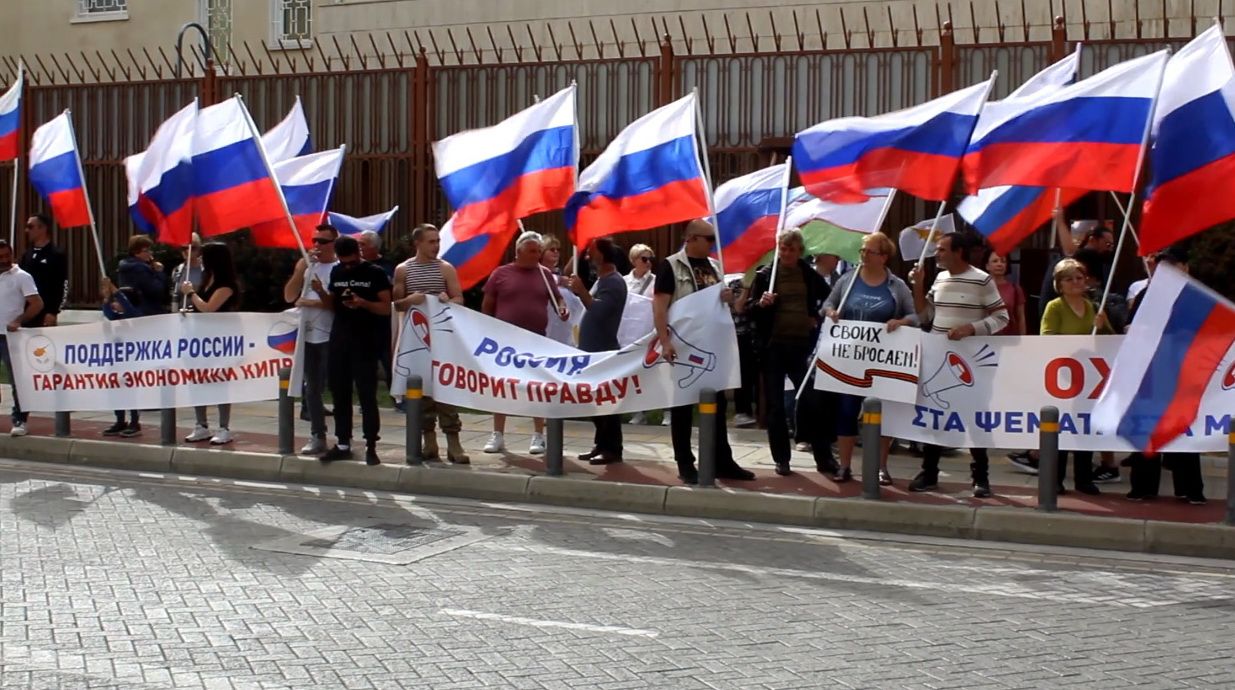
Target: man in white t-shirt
[(317, 320), (19, 302)]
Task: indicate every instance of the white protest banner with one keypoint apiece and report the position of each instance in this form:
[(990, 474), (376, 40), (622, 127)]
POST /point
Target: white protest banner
[(565, 332), (988, 393), (412, 350), (482, 363), (636, 319), (862, 358), (152, 362)]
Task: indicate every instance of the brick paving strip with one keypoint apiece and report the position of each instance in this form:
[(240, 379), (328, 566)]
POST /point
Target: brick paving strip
[(647, 482)]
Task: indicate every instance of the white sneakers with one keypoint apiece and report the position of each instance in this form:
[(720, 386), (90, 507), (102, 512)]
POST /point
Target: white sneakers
[(222, 437), (19, 429), (538, 444), (741, 421), (496, 444), (200, 433), (315, 446)]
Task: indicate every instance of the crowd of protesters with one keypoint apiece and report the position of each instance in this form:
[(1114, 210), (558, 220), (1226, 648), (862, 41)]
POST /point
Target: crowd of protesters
[(346, 290)]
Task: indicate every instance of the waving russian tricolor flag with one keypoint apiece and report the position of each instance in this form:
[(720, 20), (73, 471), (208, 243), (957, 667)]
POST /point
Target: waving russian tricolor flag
[(747, 211), (474, 259), (349, 225), (1006, 215), (1193, 152), (55, 172), (290, 138), (916, 150), (10, 118), (1085, 136), (526, 164), (232, 184), (308, 182), (649, 176), (1182, 332), (161, 180)]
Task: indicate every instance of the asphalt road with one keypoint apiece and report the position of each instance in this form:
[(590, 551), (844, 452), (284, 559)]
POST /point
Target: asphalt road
[(120, 580)]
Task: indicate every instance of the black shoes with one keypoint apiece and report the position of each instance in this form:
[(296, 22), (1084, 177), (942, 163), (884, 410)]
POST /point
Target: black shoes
[(688, 475), (981, 489), (370, 456), (336, 453), (782, 468), (115, 429), (602, 458), (922, 483), (737, 473)]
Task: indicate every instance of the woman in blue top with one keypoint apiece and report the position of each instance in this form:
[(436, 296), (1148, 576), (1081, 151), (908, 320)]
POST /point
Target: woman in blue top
[(868, 293)]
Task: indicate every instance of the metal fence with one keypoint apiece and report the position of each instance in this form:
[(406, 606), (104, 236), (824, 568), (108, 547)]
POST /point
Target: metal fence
[(388, 96)]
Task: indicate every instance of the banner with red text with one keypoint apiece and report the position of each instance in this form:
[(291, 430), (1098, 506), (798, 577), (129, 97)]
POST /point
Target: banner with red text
[(152, 362), (864, 359), (481, 363), (988, 393)]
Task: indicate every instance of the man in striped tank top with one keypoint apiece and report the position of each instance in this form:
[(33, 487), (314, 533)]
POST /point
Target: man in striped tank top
[(962, 302), (425, 274)]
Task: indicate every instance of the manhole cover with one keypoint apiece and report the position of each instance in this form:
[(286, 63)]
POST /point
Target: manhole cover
[(394, 544)]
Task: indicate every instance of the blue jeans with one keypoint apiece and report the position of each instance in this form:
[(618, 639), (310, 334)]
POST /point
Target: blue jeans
[(18, 415)]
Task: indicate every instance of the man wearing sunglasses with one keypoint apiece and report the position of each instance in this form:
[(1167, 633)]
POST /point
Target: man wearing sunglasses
[(317, 320), (49, 267), (684, 273)]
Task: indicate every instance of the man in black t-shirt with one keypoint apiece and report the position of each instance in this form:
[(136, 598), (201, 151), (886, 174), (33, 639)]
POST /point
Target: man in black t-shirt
[(49, 267), (683, 273), (359, 295)]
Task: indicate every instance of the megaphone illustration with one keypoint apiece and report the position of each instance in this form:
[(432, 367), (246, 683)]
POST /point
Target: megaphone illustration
[(692, 360), (953, 372), (421, 337), (1228, 379)]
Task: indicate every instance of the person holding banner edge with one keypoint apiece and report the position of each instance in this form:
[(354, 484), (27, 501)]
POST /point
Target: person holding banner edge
[(316, 321), (220, 292), (785, 312), (870, 292), (598, 332), (426, 274), (19, 302), (681, 274), (962, 302)]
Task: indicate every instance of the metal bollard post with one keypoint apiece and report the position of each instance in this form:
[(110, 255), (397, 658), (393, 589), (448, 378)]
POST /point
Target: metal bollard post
[(167, 426), (1048, 460), (287, 430), (62, 428), (413, 403), (1230, 472), (872, 426), (554, 440), (707, 438)]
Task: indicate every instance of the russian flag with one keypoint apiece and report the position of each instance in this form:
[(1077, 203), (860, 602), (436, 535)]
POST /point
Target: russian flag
[(649, 176), (55, 172), (523, 165), (349, 225), (290, 138), (1084, 136), (232, 184), (1006, 215), (161, 180), (916, 150), (1182, 332), (474, 259), (308, 182), (10, 118), (1194, 145), (748, 209)]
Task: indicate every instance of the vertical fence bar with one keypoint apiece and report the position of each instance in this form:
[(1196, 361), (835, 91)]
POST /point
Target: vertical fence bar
[(286, 408), (554, 439), (872, 426), (1048, 460), (167, 426), (413, 404), (707, 438)]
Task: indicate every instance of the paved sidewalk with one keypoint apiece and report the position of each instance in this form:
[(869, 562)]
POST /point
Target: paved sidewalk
[(649, 460)]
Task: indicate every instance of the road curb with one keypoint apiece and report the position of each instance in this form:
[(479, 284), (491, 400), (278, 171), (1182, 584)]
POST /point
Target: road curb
[(989, 523)]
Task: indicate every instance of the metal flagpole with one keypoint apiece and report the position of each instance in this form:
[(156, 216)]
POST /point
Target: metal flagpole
[(702, 151), (574, 101), (13, 201), (287, 212), (780, 222), (94, 230), (1136, 180), (930, 235)]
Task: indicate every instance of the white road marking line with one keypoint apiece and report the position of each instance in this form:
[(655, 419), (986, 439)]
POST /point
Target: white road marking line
[(537, 623)]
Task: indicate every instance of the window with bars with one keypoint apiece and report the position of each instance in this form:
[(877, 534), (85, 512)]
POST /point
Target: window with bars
[(293, 21), (218, 21), (102, 8)]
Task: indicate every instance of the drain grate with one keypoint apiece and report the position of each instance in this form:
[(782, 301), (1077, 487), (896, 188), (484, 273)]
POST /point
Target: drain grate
[(383, 542)]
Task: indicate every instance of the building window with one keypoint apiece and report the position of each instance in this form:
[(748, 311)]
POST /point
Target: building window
[(293, 23), (101, 10), (217, 16)]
